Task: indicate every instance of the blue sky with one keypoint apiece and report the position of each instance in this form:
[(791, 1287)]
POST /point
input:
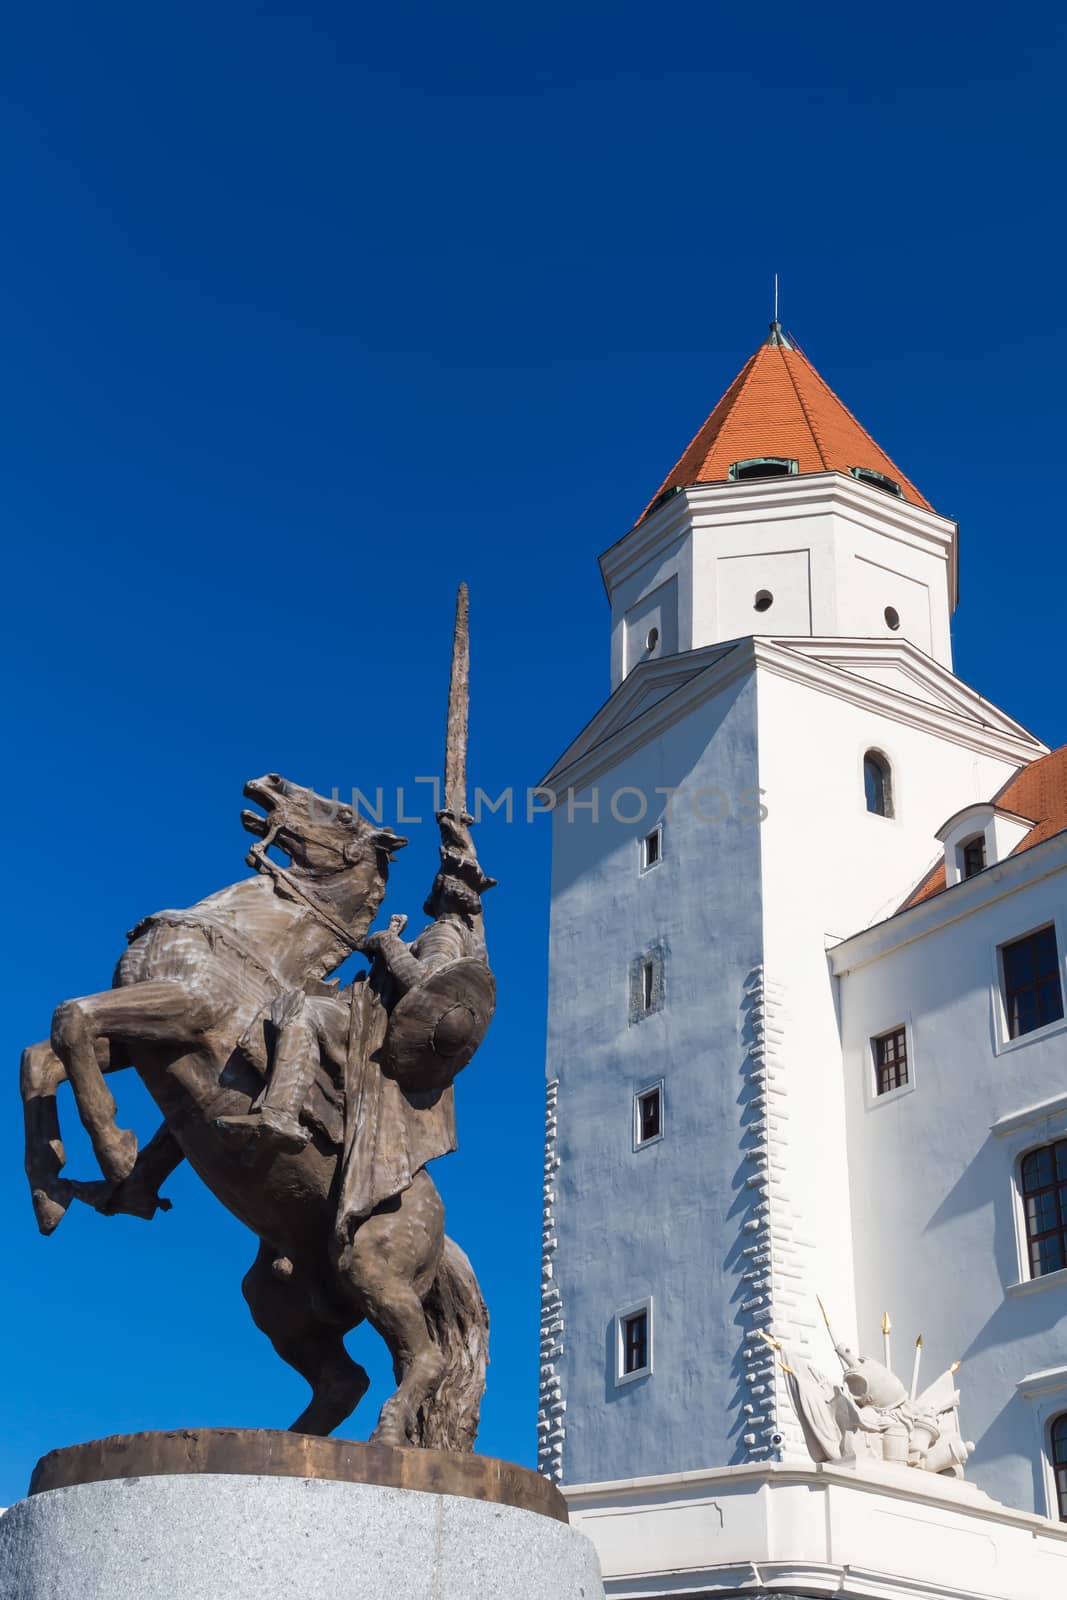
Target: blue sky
[(309, 313)]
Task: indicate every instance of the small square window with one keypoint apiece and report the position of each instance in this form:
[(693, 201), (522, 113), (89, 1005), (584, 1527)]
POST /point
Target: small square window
[(1033, 994), (652, 849), (648, 1116), (890, 1060), (633, 1345)]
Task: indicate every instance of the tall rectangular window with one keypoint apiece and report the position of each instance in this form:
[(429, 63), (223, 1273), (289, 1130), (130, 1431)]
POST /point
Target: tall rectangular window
[(1043, 1180), (652, 849), (646, 984), (891, 1060), (1033, 994), (635, 1343)]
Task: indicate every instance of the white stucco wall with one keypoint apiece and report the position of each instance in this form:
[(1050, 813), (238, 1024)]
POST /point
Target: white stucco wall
[(833, 553), (938, 1236), (657, 1221)]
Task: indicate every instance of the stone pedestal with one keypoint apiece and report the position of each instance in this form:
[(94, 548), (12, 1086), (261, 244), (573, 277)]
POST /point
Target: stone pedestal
[(251, 1515)]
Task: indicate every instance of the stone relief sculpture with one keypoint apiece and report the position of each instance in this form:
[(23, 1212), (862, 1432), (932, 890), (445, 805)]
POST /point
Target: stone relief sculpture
[(871, 1415), (309, 1110)]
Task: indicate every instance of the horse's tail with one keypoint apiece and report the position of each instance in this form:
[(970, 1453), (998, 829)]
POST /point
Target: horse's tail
[(459, 1324)]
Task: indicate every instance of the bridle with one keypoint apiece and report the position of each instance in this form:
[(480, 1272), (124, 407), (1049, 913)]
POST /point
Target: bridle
[(258, 858)]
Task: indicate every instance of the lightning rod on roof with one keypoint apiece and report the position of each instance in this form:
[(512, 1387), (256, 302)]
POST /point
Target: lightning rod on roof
[(776, 297)]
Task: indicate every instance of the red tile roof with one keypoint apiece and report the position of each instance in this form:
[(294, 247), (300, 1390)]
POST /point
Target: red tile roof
[(1038, 791), (778, 405)]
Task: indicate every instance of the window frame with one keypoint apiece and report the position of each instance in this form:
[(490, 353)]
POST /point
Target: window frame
[(876, 1040), (962, 848), (655, 1087), (622, 1318), (644, 864), (1058, 1496), (870, 1068), (1021, 1132), (654, 959), (1004, 1041), (889, 770), (1046, 1394), (1025, 1240)]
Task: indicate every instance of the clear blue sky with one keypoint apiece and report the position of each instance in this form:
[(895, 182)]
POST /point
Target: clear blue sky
[(311, 311)]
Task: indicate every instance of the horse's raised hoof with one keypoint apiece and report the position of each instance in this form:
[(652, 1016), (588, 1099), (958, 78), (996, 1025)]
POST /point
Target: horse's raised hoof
[(50, 1206)]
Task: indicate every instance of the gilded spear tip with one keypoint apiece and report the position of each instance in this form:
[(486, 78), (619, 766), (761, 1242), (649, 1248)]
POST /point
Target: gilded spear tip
[(955, 1367), (887, 1326)]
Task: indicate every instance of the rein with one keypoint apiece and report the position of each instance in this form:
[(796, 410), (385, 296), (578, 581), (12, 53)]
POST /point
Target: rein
[(258, 858)]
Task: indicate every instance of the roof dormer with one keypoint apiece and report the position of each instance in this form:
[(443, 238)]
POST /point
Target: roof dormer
[(978, 837)]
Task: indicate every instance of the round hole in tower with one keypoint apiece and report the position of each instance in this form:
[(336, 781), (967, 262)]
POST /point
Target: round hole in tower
[(764, 600), (651, 638), (892, 617)]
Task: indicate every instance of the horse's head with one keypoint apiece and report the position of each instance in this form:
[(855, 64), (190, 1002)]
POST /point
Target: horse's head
[(321, 837)]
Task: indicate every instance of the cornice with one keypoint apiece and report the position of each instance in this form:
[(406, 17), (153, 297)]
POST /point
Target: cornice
[(808, 494), (851, 655), (972, 723), (975, 724), (963, 899), (589, 760)]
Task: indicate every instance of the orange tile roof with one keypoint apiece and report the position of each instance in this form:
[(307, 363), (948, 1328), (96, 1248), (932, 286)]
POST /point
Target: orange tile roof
[(778, 405), (1038, 791)]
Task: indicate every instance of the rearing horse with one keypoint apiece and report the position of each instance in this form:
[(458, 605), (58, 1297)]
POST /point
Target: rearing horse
[(188, 994)]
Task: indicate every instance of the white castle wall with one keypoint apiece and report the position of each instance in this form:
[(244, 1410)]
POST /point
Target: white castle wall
[(666, 1220), (933, 1168)]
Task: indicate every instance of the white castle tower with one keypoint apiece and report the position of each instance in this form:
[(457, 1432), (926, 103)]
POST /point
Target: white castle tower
[(770, 1078)]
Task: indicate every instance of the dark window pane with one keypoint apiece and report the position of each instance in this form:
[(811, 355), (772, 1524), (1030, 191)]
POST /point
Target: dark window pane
[(1019, 963), (876, 786), (635, 1342), (1037, 1168), (891, 1060), (1023, 1013), (1050, 1000), (1045, 952), (973, 856), (1033, 993), (649, 1104), (1043, 1176)]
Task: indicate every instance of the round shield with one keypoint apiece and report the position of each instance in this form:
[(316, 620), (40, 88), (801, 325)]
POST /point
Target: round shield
[(437, 1026)]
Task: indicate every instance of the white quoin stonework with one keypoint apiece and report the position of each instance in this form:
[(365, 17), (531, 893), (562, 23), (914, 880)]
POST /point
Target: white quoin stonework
[(774, 1250), (779, 1174), (552, 1407)]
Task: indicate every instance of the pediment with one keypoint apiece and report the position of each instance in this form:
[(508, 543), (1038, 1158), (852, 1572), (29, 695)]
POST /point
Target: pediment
[(650, 683), (903, 669)]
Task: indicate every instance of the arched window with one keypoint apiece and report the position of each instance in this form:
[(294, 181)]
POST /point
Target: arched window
[(877, 784), (1043, 1175), (1058, 1443)]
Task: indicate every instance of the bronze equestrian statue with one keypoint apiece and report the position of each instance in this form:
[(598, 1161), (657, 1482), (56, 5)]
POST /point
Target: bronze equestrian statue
[(308, 1110)]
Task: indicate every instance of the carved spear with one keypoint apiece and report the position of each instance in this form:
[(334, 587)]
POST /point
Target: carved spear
[(887, 1328), (915, 1367), (458, 711)]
